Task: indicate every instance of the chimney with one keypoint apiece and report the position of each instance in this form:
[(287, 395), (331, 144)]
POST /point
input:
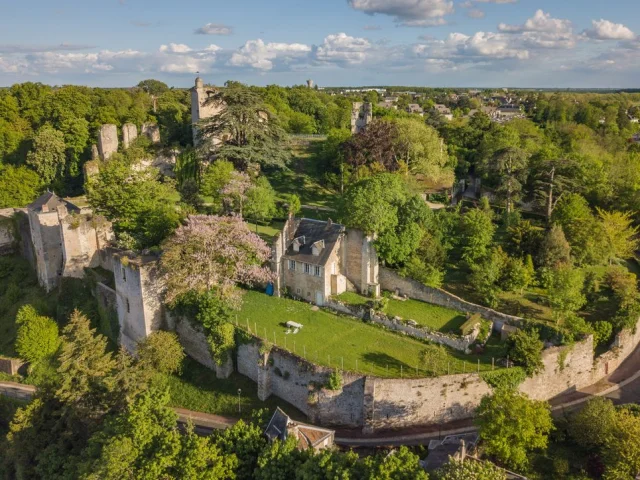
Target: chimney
[(329, 223)]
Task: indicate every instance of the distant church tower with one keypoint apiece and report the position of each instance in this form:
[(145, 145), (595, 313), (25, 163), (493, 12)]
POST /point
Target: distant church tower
[(199, 94)]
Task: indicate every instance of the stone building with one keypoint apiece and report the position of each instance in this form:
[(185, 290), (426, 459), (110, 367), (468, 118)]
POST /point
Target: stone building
[(66, 238), (200, 108), (139, 294), (314, 259), (361, 116)]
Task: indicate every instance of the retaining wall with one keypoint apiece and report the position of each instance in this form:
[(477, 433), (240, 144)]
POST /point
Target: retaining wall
[(389, 280), (381, 403), (460, 342)]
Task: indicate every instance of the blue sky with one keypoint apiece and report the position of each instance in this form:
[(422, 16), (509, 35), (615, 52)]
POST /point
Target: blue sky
[(517, 43)]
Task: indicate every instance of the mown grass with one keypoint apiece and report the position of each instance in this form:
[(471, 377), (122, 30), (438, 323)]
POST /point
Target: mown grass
[(441, 319), (347, 343), (438, 318), (198, 389), (352, 298)]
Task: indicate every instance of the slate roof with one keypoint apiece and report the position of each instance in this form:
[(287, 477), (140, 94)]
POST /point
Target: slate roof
[(314, 231), (52, 201), (281, 427)]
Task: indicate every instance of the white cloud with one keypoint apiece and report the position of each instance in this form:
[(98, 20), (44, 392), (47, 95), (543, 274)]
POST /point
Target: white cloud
[(606, 30), (175, 48), (540, 22), (214, 29), (475, 13), (406, 12), (261, 56), (480, 47), (372, 27), (542, 31), (343, 49)]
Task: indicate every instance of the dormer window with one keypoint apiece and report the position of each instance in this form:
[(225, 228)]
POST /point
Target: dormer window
[(298, 243), (317, 247)]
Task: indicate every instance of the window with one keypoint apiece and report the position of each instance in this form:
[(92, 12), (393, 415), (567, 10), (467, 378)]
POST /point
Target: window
[(292, 264), (128, 306), (316, 271), (307, 269), (297, 290), (124, 273)]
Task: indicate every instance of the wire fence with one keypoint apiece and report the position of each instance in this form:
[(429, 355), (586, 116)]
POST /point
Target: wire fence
[(435, 366)]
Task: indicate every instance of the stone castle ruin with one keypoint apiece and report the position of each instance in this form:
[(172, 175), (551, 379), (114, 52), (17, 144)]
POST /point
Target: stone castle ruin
[(67, 238), (200, 109), (361, 116)]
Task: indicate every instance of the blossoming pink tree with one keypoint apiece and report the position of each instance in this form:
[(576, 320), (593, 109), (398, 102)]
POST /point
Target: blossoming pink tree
[(203, 263), (213, 252)]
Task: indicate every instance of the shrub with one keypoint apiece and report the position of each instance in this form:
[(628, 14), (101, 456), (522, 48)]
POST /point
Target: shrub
[(37, 335), (162, 351), (508, 378), (525, 349), (334, 382)]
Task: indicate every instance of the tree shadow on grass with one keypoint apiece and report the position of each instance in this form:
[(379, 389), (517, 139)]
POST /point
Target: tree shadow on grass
[(384, 361)]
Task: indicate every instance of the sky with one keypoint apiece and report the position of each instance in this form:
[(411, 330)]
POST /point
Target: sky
[(436, 43)]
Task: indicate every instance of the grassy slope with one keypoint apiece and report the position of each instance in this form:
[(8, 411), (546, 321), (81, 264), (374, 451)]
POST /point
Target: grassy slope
[(330, 340), (303, 178)]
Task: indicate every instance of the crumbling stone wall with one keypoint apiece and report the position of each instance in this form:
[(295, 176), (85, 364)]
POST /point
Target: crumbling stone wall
[(129, 134), (201, 109), (389, 280), (7, 231), (12, 366), (45, 235), (361, 116), (361, 262), (107, 141), (152, 131)]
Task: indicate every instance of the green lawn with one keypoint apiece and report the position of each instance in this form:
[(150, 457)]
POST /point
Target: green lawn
[(198, 389), (441, 319), (352, 298), (266, 232), (435, 317), (344, 342)]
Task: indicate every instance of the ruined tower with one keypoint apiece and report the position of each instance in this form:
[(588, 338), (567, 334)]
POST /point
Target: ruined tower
[(199, 109), (361, 116)]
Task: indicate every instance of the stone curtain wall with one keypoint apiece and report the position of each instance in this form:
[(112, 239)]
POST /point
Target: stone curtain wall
[(560, 375), (405, 402), (389, 280), (380, 403), (278, 372)]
